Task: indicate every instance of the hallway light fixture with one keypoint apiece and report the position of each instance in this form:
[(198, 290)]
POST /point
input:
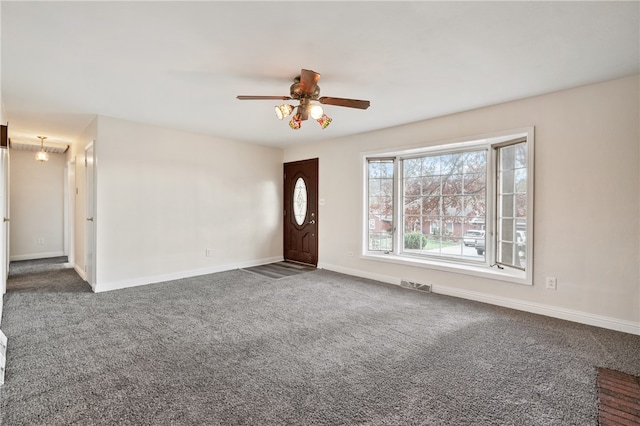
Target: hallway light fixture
[(41, 155)]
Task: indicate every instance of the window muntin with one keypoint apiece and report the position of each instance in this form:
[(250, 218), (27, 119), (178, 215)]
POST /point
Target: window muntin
[(432, 201)]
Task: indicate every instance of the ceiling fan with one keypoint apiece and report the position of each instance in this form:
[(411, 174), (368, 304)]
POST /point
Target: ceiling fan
[(306, 90)]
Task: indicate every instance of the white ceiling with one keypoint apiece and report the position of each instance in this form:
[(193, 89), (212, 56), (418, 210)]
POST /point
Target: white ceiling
[(181, 64)]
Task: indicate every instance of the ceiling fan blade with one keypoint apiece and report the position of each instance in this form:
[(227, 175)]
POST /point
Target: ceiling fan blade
[(261, 98), (350, 103), (308, 81)]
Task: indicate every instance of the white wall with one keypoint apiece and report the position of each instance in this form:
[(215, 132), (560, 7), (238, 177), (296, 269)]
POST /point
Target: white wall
[(164, 197), (587, 202), (76, 152), (36, 203)]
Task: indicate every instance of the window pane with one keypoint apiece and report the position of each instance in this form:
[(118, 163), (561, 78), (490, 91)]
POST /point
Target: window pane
[(374, 187), (520, 155), (512, 205), (412, 168), (521, 205), (506, 253), (475, 206), (412, 186), (520, 177), (474, 183), (412, 224), (380, 200), (300, 201), (506, 208), (431, 206), (453, 186), (506, 184), (430, 166), (431, 185), (507, 158), (413, 205), (475, 162), (506, 230), (451, 163), (381, 169)]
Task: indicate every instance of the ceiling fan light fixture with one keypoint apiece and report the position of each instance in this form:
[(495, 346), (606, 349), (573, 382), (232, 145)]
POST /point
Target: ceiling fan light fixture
[(306, 90), (324, 121), (41, 155), (316, 111), (296, 122), (283, 111)]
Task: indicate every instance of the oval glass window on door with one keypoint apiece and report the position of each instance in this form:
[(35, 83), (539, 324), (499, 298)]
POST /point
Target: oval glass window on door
[(300, 201)]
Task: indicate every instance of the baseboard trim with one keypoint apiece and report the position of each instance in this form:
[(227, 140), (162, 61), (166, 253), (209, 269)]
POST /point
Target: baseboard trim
[(541, 309), (34, 256), (358, 273), (118, 285), (520, 305)]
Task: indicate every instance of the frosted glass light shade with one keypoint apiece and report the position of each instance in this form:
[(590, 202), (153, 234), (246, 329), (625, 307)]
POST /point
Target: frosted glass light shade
[(316, 111), (42, 156), (283, 111)]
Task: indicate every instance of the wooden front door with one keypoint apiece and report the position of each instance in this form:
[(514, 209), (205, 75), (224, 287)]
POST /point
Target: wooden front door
[(301, 211)]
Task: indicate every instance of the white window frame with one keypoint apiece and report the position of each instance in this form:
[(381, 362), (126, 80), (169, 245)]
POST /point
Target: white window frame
[(488, 268)]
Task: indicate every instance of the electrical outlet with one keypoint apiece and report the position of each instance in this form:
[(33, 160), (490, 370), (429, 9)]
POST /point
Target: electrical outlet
[(350, 253), (552, 283), (41, 241), (207, 252)]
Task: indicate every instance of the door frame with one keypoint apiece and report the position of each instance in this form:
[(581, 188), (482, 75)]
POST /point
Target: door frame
[(69, 210), (314, 204), (90, 214), (4, 206)]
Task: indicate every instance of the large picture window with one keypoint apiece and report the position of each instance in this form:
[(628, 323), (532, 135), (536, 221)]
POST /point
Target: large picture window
[(464, 205), (443, 197)]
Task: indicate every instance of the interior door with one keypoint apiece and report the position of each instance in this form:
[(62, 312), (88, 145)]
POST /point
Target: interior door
[(301, 211), (89, 265)]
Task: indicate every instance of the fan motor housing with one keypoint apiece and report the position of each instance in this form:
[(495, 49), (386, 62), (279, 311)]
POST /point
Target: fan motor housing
[(296, 91)]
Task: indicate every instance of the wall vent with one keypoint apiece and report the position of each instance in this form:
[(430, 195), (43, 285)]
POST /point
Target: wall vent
[(415, 286)]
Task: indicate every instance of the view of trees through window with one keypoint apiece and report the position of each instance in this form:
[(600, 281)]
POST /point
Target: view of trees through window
[(440, 204), (444, 196)]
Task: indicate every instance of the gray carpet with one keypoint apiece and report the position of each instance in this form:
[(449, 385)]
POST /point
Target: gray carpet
[(322, 348), (25, 267)]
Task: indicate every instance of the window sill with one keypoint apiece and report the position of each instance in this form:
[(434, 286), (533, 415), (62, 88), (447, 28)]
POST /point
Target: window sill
[(507, 274)]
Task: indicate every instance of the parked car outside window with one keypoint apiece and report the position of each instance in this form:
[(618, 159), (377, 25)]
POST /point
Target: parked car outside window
[(471, 237)]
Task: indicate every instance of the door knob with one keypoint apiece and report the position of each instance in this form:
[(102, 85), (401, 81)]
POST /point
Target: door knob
[(312, 221), (90, 219), (6, 219)]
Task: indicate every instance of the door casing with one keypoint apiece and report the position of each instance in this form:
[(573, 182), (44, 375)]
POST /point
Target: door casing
[(300, 241), (90, 222)]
